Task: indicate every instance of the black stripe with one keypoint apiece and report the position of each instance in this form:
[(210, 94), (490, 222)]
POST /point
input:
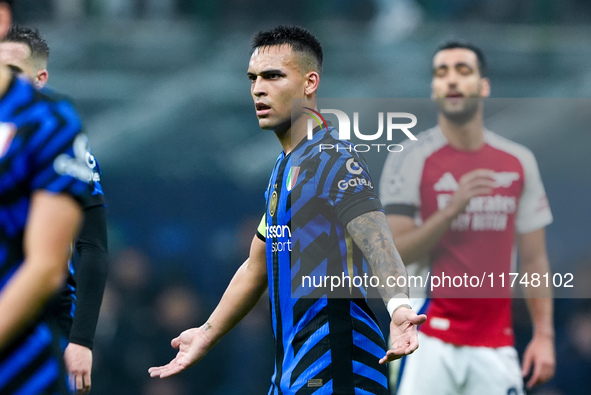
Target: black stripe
[(362, 328), (311, 326), (341, 342), (401, 209), (279, 346), (29, 370), (323, 375), (310, 359), (369, 385), (368, 359)]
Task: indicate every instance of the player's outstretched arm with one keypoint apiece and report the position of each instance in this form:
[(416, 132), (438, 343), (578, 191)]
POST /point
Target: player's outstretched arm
[(243, 293), (539, 357), (371, 233), (415, 242), (52, 224)]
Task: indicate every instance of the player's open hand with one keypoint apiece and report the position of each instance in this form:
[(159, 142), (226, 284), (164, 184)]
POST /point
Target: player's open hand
[(539, 359), (192, 344), (403, 333)]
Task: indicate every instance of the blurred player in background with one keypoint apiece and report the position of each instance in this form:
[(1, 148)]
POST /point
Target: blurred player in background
[(461, 195), (45, 180), (323, 344), (26, 52)]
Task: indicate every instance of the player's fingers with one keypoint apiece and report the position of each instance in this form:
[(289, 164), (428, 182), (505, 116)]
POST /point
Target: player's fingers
[(176, 342), (72, 382), (419, 319), (171, 371), (526, 365), (535, 377), (155, 371), (79, 383), (86, 383)]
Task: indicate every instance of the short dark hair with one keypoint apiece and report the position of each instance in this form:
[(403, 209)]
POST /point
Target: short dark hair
[(482, 66), (32, 38), (9, 2), (300, 40)]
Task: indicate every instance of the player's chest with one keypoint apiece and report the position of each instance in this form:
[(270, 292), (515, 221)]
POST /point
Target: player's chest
[(443, 175)]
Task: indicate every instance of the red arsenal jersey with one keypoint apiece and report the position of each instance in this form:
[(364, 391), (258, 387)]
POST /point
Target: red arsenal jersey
[(421, 180)]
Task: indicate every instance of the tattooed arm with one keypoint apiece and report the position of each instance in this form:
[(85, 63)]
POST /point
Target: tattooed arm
[(243, 293), (371, 233)]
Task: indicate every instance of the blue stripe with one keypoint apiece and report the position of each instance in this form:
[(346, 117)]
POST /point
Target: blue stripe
[(41, 114), (364, 343), (24, 355), (359, 391), (358, 313), (15, 98), (61, 184), (55, 146), (318, 366), (366, 371), (326, 389), (45, 376), (312, 340)]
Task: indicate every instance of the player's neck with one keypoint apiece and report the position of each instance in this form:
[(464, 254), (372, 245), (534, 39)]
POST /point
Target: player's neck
[(292, 136), (5, 77), (467, 136)]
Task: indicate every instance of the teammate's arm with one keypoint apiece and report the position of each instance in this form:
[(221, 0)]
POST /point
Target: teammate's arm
[(371, 233), (52, 224), (243, 293), (91, 275), (414, 242), (539, 357)]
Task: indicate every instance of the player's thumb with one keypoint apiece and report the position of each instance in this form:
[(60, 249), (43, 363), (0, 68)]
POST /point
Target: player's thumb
[(176, 342), (419, 319)]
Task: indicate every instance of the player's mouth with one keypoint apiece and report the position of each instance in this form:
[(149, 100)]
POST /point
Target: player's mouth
[(262, 109), (454, 96)]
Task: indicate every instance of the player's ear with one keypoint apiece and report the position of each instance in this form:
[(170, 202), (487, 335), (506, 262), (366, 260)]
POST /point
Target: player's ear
[(484, 87), (41, 79), (5, 18), (312, 82)]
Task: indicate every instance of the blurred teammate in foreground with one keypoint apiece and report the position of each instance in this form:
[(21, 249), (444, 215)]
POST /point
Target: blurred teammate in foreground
[(45, 181)]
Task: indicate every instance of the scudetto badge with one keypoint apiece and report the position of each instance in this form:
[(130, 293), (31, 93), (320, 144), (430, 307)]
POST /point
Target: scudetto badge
[(273, 203)]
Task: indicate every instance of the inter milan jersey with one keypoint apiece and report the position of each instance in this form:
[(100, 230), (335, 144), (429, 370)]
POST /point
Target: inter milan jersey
[(63, 306), (327, 341), (41, 148)]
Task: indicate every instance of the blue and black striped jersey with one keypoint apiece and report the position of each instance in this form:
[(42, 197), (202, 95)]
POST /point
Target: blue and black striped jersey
[(41, 148), (327, 342)]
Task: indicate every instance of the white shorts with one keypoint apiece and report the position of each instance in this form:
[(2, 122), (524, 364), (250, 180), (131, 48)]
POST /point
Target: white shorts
[(440, 368)]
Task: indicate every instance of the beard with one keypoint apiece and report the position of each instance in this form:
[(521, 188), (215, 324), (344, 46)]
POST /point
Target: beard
[(462, 114)]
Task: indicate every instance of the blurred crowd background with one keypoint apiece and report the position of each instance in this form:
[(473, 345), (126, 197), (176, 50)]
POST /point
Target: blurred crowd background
[(161, 86)]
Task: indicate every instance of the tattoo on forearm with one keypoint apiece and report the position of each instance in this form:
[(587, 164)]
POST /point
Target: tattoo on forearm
[(207, 326), (372, 234)]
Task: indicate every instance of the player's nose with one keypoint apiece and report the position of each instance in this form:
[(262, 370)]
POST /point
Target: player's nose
[(258, 87)]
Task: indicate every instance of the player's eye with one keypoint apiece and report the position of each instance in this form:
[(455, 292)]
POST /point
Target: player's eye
[(440, 72), (252, 78), (464, 69)]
